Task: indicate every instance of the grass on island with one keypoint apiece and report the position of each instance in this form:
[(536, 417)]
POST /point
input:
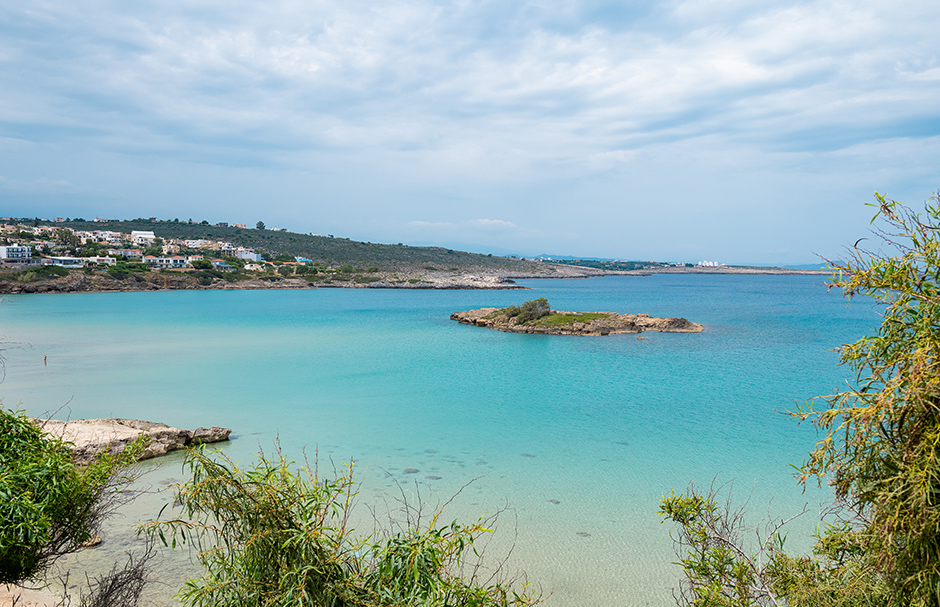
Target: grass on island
[(563, 320), (538, 313)]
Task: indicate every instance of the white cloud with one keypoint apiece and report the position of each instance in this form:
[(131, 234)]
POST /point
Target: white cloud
[(439, 105)]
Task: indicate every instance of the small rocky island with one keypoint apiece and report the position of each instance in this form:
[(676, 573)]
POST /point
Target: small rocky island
[(536, 316)]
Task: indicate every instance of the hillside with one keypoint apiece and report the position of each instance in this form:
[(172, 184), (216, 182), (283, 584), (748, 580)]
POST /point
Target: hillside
[(331, 251)]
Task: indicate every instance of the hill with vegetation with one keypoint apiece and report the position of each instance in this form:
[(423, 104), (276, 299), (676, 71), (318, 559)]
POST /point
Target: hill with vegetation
[(327, 250)]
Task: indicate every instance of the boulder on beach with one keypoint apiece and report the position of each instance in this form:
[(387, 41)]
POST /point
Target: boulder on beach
[(90, 437)]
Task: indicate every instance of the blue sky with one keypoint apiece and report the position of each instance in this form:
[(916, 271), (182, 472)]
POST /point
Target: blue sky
[(729, 130)]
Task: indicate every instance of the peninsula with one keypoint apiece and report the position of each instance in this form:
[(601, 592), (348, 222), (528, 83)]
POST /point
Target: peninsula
[(536, 316), (149, 255)]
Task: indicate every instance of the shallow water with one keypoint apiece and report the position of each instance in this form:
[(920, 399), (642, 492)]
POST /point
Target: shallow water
[(578, 437)]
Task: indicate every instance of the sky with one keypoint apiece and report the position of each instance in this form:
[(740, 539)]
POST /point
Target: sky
[(736, 131)]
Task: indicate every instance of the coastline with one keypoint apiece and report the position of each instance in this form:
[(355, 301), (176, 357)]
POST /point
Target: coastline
[(469, 279)]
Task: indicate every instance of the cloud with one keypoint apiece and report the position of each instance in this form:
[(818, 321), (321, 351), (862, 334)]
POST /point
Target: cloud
[(419, 108), (416, 75)]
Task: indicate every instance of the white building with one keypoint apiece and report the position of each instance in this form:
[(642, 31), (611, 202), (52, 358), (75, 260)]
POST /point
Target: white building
[(64, 262), (166, 262), (248, 255), (142, 238), (107, 261), (15, 252)]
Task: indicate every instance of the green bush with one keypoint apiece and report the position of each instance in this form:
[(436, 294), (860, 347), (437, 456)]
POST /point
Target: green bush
[(40, 273), (48, 504), (268, 535), (528, 311), (879, 449)]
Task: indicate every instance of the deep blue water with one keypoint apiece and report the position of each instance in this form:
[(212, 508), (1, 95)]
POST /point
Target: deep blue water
[(578, 437)]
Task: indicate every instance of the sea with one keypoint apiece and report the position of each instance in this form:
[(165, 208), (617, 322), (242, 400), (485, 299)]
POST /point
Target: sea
[(572, 441)]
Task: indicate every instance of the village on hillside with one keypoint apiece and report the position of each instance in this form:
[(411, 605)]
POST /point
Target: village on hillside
[(27, 246)]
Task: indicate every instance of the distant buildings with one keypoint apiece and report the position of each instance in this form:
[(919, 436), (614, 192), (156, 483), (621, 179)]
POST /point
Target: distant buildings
[(126, 253), (49, 245), (64, 262), (165, 262), (15, 252)]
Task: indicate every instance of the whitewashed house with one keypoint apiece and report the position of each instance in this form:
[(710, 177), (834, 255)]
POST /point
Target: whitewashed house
[(140, 237)]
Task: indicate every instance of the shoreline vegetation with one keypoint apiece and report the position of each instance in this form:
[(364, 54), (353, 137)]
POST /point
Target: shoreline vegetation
[(537, 317)]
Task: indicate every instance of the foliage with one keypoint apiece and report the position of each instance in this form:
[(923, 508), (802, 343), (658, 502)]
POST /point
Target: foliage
[(882, 437), (324, 249), (880, 449), (48, 504), (528, 311), (270, 536), (719, 571), (259, 226), (723, 571), (40, 273)]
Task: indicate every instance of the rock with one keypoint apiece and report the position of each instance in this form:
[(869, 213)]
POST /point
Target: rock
[(90, 437), (608, 323), (210, 435)]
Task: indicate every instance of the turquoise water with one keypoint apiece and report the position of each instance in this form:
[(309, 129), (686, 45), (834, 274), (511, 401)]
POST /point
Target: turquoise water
[(578, 438)]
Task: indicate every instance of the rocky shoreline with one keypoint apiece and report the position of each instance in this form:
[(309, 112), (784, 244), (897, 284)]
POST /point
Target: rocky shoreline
[(90, 437), (577, 323), (476, 278), (79, 282)]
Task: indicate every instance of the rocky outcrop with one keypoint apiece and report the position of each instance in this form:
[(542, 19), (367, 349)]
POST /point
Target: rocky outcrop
[(577, 323), (90, 437)]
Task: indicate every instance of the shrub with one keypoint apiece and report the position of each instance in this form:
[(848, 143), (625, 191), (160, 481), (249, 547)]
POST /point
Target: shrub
[(530, 310), (49, 505), (879, 449), (270, 536), (118, 271), (41, 273)]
